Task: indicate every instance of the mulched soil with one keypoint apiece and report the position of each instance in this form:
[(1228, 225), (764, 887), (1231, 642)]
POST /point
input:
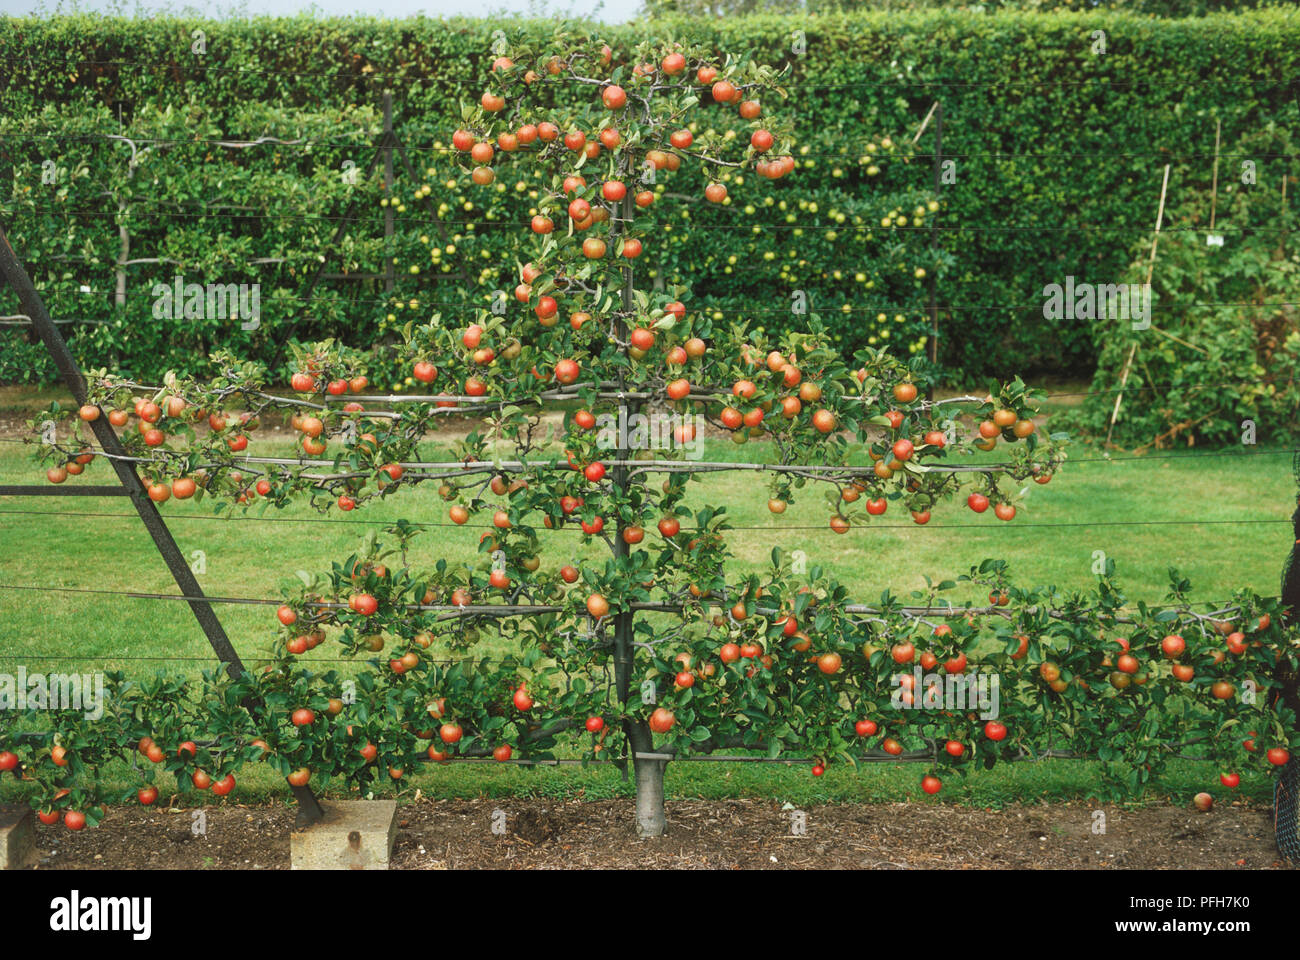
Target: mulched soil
[(726, 834)]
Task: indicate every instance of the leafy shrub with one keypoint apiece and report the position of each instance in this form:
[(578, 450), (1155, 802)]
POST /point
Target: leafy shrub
[(1218, 364)]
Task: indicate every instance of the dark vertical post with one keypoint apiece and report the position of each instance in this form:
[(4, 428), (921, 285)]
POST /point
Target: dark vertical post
[(389, 278), (13, 272), (934, 242)]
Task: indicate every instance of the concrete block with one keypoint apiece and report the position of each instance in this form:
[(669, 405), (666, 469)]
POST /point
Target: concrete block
[(353, 835), (17, 837)]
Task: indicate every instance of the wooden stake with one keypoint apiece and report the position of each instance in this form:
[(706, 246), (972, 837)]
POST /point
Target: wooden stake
[(1160, 219), (925, 122), (1151, 266), (1191, 346)]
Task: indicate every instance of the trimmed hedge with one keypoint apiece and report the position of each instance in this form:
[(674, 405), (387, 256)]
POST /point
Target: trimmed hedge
[(1058, 156), (1151, 8)]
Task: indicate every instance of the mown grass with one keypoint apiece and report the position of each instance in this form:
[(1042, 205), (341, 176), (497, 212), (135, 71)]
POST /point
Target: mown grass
[(1148, 514)]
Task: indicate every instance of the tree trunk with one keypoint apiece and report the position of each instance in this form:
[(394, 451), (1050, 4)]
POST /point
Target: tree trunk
[(650, 818), (649, 773)]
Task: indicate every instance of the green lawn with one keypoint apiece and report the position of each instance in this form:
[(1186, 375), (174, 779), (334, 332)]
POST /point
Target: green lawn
[(1122, 508)]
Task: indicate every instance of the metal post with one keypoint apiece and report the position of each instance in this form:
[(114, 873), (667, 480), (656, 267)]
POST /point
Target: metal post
[(13, 271)]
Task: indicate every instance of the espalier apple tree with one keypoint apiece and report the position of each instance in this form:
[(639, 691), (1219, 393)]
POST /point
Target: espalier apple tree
[(641, 644)]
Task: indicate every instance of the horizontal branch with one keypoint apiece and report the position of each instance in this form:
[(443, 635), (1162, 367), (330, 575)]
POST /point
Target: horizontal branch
[(453, 611), (605, 393), (459, 467)]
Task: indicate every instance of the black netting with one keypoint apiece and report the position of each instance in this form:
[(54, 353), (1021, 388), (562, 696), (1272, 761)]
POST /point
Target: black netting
[(1286, 802), (1286, 789)]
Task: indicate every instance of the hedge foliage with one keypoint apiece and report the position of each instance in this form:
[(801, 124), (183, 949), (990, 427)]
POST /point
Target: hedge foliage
[(1057, 156), (1150, 8)]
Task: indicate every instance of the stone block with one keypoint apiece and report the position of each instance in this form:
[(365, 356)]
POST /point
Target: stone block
[(353, 835), (17, 837)]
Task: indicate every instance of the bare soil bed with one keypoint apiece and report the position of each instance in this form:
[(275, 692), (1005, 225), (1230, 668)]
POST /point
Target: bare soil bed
[(727, 835)]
